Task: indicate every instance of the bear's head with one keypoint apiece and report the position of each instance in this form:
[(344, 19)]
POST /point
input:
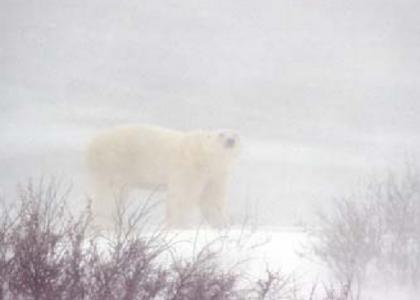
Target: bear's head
[(227, 141), (219, 147)]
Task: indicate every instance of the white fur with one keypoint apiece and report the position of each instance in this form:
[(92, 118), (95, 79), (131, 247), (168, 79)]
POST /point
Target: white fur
[(193, 166)]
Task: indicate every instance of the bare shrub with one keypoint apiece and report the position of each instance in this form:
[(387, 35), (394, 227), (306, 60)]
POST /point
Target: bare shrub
[(375, 230), (398, 202), (274, 286), (5, 256), (48, 253), (38, 243), (201, 278), (347, 239), (126, 267)]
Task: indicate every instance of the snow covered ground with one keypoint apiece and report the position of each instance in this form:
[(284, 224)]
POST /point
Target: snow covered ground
[(283, 249)]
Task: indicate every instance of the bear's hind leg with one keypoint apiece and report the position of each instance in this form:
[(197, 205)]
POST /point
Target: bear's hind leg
[(106, 202)]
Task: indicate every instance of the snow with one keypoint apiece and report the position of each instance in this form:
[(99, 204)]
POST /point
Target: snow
[(283, 249), (324, 93)]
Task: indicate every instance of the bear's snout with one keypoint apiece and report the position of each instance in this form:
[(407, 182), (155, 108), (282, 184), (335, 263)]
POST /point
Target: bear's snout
[(230, 142)]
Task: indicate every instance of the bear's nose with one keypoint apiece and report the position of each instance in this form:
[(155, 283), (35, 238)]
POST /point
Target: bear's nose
[(230, 142)]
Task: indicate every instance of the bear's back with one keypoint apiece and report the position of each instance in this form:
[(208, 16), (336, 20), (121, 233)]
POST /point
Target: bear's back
[(134, 154)]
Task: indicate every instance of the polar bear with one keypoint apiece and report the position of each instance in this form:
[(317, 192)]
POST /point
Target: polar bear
[(192, 166)]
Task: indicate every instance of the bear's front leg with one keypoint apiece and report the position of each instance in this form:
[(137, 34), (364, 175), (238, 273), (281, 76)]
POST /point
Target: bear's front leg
[(183, 196), (213, 203)]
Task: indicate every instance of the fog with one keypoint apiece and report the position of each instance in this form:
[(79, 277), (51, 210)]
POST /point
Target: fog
[(324, 93)]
